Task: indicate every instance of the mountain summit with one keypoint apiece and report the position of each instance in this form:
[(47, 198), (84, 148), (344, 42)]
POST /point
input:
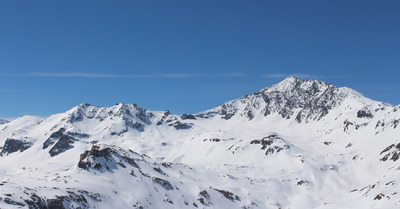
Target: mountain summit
[(296, 144), (303, 100)]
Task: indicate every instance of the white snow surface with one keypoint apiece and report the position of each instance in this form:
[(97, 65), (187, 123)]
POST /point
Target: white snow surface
[(297, 144)]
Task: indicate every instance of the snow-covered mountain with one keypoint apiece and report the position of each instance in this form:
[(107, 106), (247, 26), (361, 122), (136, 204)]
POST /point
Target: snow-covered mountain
[(297, 144), (2, 121)]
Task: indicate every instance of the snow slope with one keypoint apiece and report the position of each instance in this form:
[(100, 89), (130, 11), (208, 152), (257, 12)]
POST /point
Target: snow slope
[(297, 144)]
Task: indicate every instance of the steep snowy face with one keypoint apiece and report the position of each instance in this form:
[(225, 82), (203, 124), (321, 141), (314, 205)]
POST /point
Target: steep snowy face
[(302, 100)]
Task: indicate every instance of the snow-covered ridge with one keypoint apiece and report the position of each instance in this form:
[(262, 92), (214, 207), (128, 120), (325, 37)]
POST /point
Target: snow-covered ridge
[(296, 144)]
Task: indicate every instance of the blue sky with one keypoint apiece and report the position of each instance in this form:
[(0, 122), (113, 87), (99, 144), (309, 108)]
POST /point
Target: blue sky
[(189, 56)]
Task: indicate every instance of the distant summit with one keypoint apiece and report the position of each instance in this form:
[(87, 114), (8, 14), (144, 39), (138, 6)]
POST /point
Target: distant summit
[(2, 121)]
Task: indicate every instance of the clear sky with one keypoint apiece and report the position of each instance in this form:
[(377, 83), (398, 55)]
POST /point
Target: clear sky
[(188, 56)]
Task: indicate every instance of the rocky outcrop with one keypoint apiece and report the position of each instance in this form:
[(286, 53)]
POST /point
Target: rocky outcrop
[(73, 199), (64, 143), (61, 141), (392, 152), (14, 145), (104, 159), (187, 117), (44, 203), (179, 125), (272, 143), (228, 195), (163, 183), (364, 113)]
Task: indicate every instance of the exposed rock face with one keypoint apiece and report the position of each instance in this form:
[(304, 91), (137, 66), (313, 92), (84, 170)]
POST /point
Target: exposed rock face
[(205, 198), (41, 203), (104, 159), (178, 125), (272, 143), (391, 152), (13, 202), (173, 121), (62, 141), (364, 113), (163, 183), (89, 158), (14, 145), (73, 199), (53, 138), (205, 194), (128, 112), (188, 117), (228, 195)]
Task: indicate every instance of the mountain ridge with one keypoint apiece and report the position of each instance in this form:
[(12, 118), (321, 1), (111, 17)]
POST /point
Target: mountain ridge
[(323, 146)]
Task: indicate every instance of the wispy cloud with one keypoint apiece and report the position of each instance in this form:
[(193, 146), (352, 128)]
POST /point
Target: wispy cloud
[(109, 75), (171, 75), (301, 76), (285, 75), (79, 75)]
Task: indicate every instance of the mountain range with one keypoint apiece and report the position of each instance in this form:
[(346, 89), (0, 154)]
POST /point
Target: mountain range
[(296, 144)]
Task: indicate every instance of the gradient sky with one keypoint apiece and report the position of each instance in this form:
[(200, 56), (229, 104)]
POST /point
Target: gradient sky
[(188, 56)]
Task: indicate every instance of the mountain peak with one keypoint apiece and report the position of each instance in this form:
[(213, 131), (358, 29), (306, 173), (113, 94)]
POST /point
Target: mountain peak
[(292, 84), (284, 85), (290, 79), (302, 100)]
